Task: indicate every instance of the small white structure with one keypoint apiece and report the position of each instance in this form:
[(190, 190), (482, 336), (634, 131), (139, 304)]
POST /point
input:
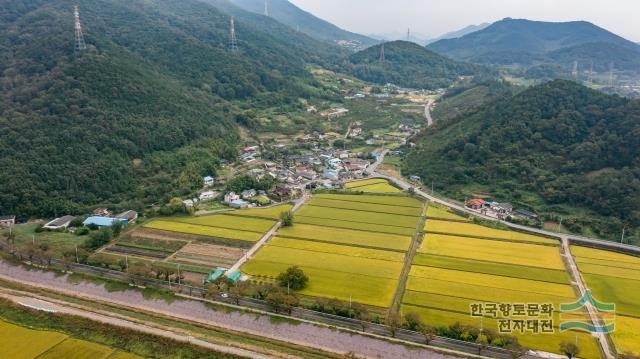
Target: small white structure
[(207, 196), (248, 194), (208, 181)]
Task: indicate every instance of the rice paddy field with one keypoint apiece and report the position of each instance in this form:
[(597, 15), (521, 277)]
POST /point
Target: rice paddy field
[(374, 185), (461, 264), (475, 230), (18, 342), (242, 225), (344, 256), (437, 212), (615, 278)]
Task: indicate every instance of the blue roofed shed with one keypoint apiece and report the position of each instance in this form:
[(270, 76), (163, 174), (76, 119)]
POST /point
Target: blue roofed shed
[(234, 276), (215, 274)]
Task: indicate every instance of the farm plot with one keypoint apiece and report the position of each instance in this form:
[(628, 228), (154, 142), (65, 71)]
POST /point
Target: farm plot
[(474, 230), (371, 227), (373, 186), (17, 342), (365, 182), (267, 213), (146, 246), (368, 207), (207, 231), (231, 222), (615, 278), (359, 216), (208, 255), (451, 272), (344, 257), (346, 236), (436, 212), (400, 201)]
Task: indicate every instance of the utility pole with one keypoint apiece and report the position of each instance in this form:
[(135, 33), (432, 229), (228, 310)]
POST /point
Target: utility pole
[(233, 39), (560, 224), (77, 259), (574, 72), (622, 238), (80, 45), (432, 188), (179, 281)]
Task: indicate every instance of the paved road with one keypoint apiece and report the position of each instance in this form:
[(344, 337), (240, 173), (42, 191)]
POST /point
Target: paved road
[(579, 281), (427, 112), (256, 247), (50, 307)]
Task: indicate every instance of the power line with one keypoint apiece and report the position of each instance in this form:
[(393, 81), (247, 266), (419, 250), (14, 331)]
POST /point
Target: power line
[(80, 45)]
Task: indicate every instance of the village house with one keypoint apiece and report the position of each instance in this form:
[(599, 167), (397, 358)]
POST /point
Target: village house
[(248, 194), (207, 195), (208, 181), (355, 132), (7, 221), (475, 203), (101, 212), (330, 174), (59, 223), (334, 113), (239, 204), (230, 197), (130, 216)]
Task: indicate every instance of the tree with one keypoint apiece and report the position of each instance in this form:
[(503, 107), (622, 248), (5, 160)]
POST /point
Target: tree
[(412, 322), (279, 300), (515, 349), (287, 218), (393, 322), (482, 341), (569, 349), (428, 332), (293, 278)]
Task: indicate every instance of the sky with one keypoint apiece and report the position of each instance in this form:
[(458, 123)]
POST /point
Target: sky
[(436, 17)]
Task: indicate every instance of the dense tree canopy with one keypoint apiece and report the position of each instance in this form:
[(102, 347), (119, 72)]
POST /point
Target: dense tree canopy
[(561, 141)]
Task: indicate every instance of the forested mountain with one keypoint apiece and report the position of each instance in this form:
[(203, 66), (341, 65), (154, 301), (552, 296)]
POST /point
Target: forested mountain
[(460, 33), (407, 64), (516, 41), (141, 114), (296, 18), (312, 49), (552, 147)]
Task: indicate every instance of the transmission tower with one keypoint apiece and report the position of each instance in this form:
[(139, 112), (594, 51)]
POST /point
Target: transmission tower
[(574, 72), (591, 73), (233, 39), (382, 53), (611, 74), (80, 45), (409, 34), (266, 8)]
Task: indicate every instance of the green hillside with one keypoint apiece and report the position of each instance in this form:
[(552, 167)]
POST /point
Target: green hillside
[(298, 19), (140, 115), (407, 64), (559, 148)]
